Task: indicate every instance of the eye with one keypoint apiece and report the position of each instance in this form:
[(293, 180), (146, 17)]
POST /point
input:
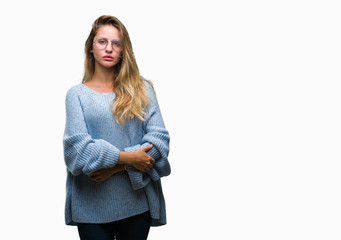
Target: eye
[(116, 44), (102, 42)]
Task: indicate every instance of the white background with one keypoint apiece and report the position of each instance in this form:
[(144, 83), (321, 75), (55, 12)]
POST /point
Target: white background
[(249, 91)]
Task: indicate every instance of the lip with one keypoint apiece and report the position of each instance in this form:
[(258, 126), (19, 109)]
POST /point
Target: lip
[(108, 58)]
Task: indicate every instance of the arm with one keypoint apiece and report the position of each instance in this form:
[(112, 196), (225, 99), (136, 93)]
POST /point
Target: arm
[(156, 134), (139, 159), (87, 155), (105, 173), (82, 154)]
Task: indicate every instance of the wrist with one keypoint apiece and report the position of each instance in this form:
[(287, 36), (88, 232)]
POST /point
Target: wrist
[(121, 167), (126, 158)]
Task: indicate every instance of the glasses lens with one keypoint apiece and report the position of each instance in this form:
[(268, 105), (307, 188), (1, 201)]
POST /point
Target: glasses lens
[(116, 45), (101, 43)]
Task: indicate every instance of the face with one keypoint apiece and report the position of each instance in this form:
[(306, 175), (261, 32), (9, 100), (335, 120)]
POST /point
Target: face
[(109, 56)]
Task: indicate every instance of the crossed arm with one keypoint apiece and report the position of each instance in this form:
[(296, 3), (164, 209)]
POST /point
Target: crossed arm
[(100, 160), (138, 159)]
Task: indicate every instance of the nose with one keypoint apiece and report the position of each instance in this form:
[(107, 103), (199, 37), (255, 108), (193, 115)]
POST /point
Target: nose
[(109, 48)]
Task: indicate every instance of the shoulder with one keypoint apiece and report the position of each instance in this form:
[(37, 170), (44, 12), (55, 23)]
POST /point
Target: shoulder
[(74, 89), (149, 88), (148, 84), (74, 92)]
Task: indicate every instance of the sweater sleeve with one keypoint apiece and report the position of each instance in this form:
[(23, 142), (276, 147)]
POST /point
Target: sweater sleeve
[(156, 134), (82, 153)]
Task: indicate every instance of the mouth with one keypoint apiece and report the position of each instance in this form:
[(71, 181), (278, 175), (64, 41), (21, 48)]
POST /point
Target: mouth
[(108, 58)]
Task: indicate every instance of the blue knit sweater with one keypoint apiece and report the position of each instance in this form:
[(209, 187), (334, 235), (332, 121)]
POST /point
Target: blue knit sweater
[(93, 140)]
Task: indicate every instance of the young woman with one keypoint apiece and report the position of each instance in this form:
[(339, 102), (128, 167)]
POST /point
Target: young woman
[(115, 142)]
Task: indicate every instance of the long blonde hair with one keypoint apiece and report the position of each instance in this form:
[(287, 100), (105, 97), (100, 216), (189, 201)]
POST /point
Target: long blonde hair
[(131, 95)]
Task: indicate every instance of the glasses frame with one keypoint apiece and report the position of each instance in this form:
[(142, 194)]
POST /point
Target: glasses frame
[(117, 49)]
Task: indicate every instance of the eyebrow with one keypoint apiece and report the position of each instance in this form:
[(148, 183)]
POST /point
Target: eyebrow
[(116, 39)]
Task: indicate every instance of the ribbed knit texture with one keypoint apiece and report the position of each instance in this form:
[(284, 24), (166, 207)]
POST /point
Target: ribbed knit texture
[(93, 140)]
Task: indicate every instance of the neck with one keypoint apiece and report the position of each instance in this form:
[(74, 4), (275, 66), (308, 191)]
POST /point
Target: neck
[(103, 76)]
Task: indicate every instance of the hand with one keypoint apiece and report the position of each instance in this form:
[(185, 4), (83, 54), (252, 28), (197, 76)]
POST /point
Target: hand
[(105, 173), (143, 161)]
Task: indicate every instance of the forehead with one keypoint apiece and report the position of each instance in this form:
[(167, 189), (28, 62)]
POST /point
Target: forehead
[(108, 32)]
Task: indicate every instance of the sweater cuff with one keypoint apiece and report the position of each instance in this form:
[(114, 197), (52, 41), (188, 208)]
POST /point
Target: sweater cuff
[(138, 179), (154, 153), (133, 148), (108, 157)]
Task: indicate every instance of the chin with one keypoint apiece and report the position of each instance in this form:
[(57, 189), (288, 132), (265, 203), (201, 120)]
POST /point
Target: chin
[(108, 65)]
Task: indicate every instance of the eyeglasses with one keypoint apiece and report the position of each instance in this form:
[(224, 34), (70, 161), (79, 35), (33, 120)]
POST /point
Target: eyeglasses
[(102, 43)]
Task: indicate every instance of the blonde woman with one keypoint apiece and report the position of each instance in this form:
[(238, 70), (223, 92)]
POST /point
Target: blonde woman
[(115, 142)]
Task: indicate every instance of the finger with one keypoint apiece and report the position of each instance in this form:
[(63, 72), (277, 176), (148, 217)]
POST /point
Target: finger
[(147, 168), (94, 175), (99, 179), (152, 160), (147, 148)]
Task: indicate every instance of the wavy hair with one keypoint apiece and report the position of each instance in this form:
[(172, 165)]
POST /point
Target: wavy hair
[(131, 95)]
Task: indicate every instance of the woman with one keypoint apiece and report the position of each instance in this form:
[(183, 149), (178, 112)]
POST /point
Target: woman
[(115, 142)]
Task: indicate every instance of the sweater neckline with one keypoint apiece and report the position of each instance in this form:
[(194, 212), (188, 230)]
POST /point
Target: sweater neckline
[(93, 91)]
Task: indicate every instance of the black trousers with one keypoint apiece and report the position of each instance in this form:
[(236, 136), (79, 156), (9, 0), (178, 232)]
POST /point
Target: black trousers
[(132, 228)]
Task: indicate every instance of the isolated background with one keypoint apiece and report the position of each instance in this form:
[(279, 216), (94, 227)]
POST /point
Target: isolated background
[(249, 91)]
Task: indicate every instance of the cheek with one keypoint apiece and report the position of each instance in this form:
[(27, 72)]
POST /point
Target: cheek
[(117, 57), (96, 53), (116, 60)]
